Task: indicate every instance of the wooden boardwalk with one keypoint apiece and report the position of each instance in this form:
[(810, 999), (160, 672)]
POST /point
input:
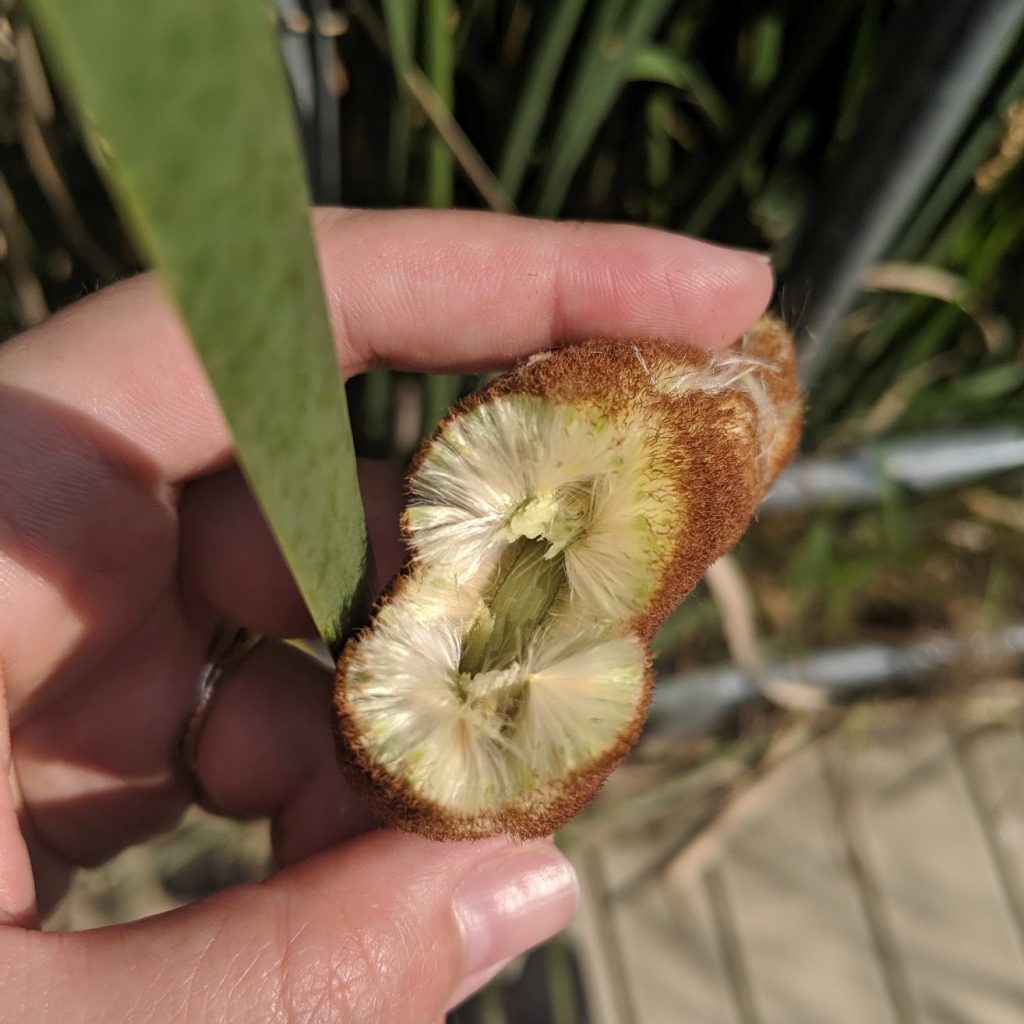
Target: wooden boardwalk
[(873, 875), (871, 872)]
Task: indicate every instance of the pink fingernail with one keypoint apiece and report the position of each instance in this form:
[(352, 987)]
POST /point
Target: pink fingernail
[(506, 905), (474, 982)]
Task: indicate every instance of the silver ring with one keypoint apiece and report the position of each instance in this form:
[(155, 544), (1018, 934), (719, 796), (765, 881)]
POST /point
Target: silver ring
[(230, 646)]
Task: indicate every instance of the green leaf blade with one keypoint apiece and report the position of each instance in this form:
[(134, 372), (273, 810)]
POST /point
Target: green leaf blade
[(188, 112), (439, 46)]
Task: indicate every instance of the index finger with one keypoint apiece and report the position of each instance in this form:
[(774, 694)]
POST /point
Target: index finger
[(414, 290)]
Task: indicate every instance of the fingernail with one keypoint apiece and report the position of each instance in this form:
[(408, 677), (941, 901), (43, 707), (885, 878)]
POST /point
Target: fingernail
[(474, 982), (508, 904)]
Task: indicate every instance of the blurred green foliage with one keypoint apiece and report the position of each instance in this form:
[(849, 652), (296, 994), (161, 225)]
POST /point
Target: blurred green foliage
[(722, 119)]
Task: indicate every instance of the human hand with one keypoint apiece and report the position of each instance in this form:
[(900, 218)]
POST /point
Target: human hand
[(125, 537)]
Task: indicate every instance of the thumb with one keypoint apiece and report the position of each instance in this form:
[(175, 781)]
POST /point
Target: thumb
[(388, 929)]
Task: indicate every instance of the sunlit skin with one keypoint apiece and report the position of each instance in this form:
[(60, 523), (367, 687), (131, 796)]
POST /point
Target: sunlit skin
[(126, 535)]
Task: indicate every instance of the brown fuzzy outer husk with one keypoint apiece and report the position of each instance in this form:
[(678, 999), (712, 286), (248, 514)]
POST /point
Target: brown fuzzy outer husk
[(710, 451), (394, 801)]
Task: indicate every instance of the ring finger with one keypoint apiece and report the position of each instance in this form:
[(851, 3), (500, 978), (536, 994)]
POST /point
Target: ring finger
[(266, 750)]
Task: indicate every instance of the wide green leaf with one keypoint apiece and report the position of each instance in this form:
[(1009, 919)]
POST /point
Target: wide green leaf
[(187, 110)]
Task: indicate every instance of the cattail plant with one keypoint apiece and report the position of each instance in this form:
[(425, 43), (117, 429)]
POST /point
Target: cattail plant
[(555, 518)]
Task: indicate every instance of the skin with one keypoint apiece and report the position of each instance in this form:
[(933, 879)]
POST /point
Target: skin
[(126, 535)]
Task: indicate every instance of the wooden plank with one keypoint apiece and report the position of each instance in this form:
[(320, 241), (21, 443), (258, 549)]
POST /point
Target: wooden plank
[(672, 957), (733, 958), (593, 931), (800, 926), (929, 859), (659, 944), (993, 764)]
